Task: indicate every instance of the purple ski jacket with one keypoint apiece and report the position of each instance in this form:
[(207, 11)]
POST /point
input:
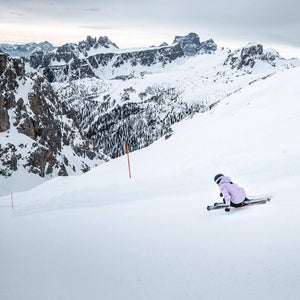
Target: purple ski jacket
[(231, 191)]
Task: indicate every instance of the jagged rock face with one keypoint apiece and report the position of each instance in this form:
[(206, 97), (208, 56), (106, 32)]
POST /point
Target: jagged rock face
[(92, 43), (9, 71), (208, 47), (64, 64), (8, 159), (271, 56), (25, 50), (33, 115), (249, 55), (102, 60), (4, 120), (104, 41), (191, 45), (141, 58)]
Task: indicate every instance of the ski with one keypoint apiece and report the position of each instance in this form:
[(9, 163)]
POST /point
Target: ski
[(216, 206), (250, 201), (259, 198)]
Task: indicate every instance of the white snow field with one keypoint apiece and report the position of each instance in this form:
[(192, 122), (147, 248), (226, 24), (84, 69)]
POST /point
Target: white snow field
[(101, 235)]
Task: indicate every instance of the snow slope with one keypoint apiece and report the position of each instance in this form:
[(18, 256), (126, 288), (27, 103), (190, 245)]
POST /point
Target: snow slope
[(154, 97), (151, 237)]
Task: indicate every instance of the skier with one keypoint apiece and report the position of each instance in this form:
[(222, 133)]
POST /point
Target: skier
[(232, 193)]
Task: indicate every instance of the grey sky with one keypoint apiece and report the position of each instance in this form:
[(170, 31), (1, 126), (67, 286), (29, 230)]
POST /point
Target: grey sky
[(132, 23)]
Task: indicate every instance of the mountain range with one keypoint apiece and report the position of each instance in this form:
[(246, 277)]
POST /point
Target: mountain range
[(86, 101), (25, 50)]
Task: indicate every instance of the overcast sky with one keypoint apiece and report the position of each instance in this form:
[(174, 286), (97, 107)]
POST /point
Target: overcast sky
[(138, 23)]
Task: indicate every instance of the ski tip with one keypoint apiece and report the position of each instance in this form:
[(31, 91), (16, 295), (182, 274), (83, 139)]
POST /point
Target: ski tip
[(266, 196), (208, 207)]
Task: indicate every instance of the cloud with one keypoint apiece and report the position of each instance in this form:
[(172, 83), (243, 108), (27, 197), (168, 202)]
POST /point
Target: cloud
[(91, 26), (17, 14), (92, 9), (232, 20)]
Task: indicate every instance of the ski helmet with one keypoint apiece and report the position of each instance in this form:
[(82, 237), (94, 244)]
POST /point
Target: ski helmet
[(218, 178)]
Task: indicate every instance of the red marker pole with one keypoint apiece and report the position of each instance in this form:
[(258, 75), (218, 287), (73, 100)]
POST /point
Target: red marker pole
[(127, 150), (12, 200)]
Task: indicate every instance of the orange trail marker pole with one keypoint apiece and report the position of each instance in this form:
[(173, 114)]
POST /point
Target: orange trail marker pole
[(12, 200), (127, 150)]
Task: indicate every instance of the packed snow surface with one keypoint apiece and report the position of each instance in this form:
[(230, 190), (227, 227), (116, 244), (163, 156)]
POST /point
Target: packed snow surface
[(102, 235)]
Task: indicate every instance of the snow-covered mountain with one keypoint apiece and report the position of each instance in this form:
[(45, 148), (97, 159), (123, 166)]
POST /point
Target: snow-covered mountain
[(151, 237), (25, 50), (134, 96), (38, 133), (191, 45), (91, 59), (136, 101)]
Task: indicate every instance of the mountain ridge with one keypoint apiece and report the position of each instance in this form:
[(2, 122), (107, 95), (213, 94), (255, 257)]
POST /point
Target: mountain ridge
[(37, 132), (118, 97), (25, 50)]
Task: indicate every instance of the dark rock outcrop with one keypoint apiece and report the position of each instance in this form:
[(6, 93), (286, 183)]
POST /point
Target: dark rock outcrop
[(101, 58), (143, 58), (249, 55), (208, 47), (42, 118), (191, 45), (4, 120), (64, 64)]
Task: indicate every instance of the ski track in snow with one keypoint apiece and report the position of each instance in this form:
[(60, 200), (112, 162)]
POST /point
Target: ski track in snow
[(103, 236)]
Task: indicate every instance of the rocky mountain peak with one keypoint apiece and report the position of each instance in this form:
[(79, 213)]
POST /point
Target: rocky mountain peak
[(164, 44), (252, 50), (207, 47), (105, 42), (45, 46), (90, 42), (249, 55), (190, 43), (25, 50)]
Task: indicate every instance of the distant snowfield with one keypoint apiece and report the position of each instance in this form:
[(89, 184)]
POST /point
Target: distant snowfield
[(103, 236)]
